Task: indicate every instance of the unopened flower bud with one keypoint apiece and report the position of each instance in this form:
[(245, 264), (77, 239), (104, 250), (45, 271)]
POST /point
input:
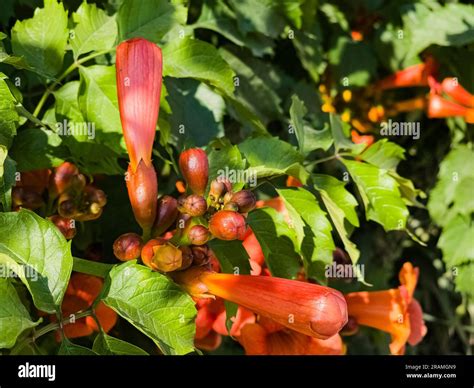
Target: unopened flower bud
[(162, 256), (201, 255), (66, 226), (193, 204), (227, 225), (188, 257), (198, 235), (25, 198), (128, 246), (194, 166), (245, 200), (61, 178), (166, 213), (351, 327), (67, 206), (231, 206)]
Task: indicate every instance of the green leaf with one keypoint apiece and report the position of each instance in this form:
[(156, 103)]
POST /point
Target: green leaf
[(456, 241), (91, 156), (193, 58), (454, 26), (232, 256), (225, 159), (465, 278), (278, 242), (69, 349), (452, 195), (14, 318), (36, 148), (106, 345), (42, 256), (218, 17), (384, 154), (335, 189), (259, 16), (9, 119), (94, 30), (354, 64), (153, 304), (18, 62), (317, 245), (98, 102), (42, 39), (189, 99), (309, 139), (7, 178), (241, 112), (257, 84), (270, 156), (149, 19), (308, 45), (380, 194), (408, 190), (340, 134)]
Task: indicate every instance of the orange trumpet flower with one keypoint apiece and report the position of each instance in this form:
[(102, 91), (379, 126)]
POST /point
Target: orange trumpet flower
[(394, 311), (310, 309), (453, 89), (269, 338), (416, 75), (439, 107), (139, 78)]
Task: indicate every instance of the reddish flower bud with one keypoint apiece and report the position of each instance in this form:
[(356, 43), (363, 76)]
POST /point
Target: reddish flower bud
[(67, 206), (245, 200), (193, 204), (166, 214), (310, 309), (216, 190), (25, 198), (188, 257), (454, 90), (227, 197), (128, 246), (351, 327), (194, 166), (227, 225), (37, 180), (438, 107), (66, 226), (139, 78), (201, 255), (142, 188), (162, 256), (61, 178), (198, 235), (95, 195), (232, 206)]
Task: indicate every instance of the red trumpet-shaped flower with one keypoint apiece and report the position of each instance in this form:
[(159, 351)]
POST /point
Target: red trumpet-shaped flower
[(453, 89), (307, 308), (142, 188), (394, 311), (139, 78), (416, 75), (438, 107)]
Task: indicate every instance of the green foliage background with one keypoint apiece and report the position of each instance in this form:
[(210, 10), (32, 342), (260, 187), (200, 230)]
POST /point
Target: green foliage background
[(239, 74)]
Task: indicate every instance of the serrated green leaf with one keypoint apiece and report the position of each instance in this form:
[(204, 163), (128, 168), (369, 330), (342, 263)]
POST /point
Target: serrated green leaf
[(9, 119), (99, 105), (42, 256), (308, 45), (42, 39), (193, 58), (456, 241), (380, 193), (7, 178), (338, 193), (278, 242), (317, 245), (36, 148), (149, 19), (106, 345), (465, 279), (154, 305), (340, 134), (384, 154), (218, 17), (14, 318), (226, 159), (446, 199), (94, 30), (260, 153)]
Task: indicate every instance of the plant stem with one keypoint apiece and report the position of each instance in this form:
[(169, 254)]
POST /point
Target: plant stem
[(66, 72), (91, 267), (56, 325), (327, 159)]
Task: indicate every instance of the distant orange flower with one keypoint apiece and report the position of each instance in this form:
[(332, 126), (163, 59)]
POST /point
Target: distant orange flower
[(394, 311), (81, 293), (453, 89), (359, 139), (293, 182), (417, 75), (438, 107), (266, 337)]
